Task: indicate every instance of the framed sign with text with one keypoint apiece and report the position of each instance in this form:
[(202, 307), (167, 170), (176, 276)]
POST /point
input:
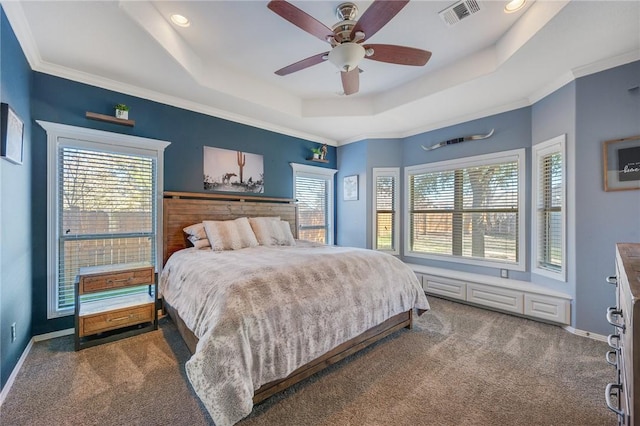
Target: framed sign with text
[(621, 164)]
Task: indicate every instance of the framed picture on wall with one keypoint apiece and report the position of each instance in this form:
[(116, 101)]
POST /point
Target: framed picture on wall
[(350, 188), (621, 164), (11, 134)]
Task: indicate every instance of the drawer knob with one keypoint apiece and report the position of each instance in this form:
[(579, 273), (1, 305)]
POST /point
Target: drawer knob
[(613, 362), (612, 280), (613, 389), (611, 312)]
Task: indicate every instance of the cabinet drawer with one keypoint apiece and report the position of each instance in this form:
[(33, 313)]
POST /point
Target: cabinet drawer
[(444, 287), (499, 298), (114, 280), (547, 308), (111, 320)]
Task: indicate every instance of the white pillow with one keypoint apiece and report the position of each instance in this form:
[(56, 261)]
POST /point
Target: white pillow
[(267, 230), (197, 235), (288, 239), (230, 234)]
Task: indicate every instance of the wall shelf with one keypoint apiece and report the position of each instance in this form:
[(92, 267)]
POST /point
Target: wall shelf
[(317, 160), (110, 119)]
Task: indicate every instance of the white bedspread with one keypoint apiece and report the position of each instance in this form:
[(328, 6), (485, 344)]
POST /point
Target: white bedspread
[(262, 312)]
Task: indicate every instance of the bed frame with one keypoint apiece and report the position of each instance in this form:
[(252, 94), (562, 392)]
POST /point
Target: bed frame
[(181, 209)]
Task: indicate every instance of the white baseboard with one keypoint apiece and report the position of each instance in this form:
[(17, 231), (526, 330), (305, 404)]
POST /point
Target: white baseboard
[(590, 335), (53, 335), (23, 357), (14, 373)]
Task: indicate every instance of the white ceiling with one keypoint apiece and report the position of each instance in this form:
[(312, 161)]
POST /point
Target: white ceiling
[(224, 63)]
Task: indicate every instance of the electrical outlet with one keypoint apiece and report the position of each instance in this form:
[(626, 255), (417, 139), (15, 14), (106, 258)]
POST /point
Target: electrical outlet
[(504, 273), (13, 332)]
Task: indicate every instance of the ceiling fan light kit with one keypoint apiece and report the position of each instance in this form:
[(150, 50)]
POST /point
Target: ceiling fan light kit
[(346, 56), (346, 38)]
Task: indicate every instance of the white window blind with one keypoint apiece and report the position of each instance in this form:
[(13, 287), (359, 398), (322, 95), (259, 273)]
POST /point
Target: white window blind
[(313, 191), (386, 206), (311, 194), (106, 213), (549, 214), (467, 209)]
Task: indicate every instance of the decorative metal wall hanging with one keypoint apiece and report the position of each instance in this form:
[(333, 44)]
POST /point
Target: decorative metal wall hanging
[(458, 140)]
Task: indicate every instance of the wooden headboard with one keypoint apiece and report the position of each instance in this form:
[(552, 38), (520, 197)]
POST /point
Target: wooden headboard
[(181, 209)]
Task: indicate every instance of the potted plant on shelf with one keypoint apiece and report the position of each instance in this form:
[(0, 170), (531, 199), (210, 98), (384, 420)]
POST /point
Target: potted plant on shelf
[(317, 152), (122, 111)]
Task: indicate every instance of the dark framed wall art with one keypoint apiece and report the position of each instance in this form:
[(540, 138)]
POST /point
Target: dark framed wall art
[(11, 134), (621, 164)]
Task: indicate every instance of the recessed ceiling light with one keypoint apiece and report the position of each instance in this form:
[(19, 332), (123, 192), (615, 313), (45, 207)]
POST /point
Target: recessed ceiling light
[(180, 20), (514, 5)]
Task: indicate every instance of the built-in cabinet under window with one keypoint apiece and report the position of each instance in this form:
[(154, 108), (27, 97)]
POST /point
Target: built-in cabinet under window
[(507, 295)]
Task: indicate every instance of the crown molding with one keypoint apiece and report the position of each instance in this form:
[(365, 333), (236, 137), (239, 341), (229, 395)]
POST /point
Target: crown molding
[(440, 124)]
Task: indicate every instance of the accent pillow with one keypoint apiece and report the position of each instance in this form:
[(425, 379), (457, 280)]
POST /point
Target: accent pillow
[(197, 235), (288, 239), (230, 234), (267, 230)]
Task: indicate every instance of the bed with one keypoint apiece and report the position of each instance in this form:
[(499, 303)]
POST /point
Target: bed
[(260, 319)]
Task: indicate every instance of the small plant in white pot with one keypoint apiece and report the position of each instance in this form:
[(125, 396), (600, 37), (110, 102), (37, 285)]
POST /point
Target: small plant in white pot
[(122, 111), (316, 153)]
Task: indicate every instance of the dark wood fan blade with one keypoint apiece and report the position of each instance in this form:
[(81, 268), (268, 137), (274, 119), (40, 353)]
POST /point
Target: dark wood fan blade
[(350, 81), (402, 55), (305, 63), (300, 19), (376, 16)]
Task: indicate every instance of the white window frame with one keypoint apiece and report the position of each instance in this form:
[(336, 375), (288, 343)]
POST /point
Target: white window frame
[(90, 138), (517, 155), (539, 151), (393, 172), (327, 174)]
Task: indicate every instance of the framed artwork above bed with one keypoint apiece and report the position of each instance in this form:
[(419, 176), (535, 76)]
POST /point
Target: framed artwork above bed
[(233, 171)]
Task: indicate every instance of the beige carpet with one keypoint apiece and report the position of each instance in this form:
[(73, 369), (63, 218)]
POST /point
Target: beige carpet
[(459, 366)]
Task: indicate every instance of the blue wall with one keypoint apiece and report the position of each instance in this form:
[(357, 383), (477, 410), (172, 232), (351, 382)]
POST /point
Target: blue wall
[(589, 111), (64, 101), (605, 109), (351, 222), (553, 116), (354, 217), (512, 131), (15, 209)]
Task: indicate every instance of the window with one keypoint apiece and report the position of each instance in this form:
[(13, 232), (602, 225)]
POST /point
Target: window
[(103, 195), (468, 210), (548, 234), (386, 217), (313, 189)]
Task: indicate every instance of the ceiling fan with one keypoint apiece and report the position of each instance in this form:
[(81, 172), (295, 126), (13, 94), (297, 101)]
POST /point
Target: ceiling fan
[(347, 39)]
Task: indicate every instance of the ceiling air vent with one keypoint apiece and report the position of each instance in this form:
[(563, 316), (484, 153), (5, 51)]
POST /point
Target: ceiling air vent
[(458, 11)]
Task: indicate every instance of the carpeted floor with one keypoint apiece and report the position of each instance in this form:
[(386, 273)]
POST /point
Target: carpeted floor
[(459, 366)]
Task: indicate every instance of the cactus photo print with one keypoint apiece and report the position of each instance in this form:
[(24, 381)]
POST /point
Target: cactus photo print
[(233, 171)]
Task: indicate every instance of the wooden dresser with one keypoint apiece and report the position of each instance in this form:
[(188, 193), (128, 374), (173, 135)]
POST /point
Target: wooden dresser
[(623, 397), (114, 301)]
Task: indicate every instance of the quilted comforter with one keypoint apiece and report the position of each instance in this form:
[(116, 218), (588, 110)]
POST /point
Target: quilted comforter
[(262, 312)]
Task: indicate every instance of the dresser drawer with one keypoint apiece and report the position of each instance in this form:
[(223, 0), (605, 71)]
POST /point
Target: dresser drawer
[(114, 280), (114, 319)]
